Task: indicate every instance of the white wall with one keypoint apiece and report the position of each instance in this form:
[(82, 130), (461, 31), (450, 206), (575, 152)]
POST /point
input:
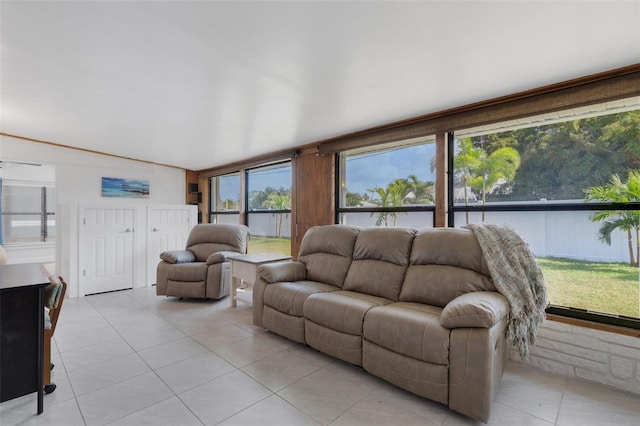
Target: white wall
[(78, 181), (599, 356), (78, 173)]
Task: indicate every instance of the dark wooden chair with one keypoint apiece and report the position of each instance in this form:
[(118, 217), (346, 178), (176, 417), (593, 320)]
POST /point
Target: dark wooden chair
[(54, 313)]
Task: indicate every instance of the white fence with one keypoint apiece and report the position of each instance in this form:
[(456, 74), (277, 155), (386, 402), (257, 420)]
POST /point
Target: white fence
[(567, 234), (262, 224)]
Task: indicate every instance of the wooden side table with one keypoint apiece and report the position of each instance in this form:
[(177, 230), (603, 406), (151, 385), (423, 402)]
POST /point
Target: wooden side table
[(243, 274)]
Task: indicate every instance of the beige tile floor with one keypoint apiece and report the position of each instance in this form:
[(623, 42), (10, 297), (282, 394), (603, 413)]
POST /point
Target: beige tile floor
[(134, 358)]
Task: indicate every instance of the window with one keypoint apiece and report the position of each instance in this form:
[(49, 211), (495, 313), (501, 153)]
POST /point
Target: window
[(269, 208), (390, 185), (569, 183), (225, 198), (28, 213)]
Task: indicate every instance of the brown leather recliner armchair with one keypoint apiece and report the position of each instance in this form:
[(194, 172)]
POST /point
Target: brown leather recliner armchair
[(202, 269)]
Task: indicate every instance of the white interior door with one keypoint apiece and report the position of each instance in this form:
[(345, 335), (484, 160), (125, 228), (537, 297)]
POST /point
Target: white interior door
[(107, 262), (168, 228)]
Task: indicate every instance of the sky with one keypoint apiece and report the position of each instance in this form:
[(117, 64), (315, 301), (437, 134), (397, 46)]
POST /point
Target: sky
[(364, 171), (379, 168), (259, 180)]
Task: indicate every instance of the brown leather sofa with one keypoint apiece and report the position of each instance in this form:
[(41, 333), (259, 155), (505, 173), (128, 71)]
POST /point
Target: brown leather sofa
[(201, 270), (417, 309)]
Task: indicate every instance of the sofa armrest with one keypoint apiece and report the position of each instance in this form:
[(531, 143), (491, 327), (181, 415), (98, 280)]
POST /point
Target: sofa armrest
[(282, 271), (221, 256), (178, 256), (478, 309)]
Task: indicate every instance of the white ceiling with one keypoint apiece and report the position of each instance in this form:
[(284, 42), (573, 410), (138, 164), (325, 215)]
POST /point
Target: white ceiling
[(204, 83)]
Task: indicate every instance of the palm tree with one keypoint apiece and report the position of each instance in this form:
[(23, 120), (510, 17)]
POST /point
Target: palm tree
[(499, 166), (399, 192), (391, 196), (423, 190), (617, 191), (481, 171), (466, 163)]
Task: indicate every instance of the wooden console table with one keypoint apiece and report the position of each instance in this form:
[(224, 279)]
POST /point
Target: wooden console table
[(21, 330), (243, 274)]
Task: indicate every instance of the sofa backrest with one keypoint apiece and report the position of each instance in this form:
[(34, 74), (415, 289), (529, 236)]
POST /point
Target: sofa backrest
[(326, 251), (380, 260), (445, 263), (208, 238)]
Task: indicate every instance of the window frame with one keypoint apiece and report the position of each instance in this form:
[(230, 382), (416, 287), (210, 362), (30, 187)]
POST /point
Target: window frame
[(533, 206), (44, 213), (213, 199), (246, 191), (340, 159)]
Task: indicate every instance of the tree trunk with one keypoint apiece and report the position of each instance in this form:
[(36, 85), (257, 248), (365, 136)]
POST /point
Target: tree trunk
[(632, 259), (466, 200), (637, 247), (278, 224), (484, 198)]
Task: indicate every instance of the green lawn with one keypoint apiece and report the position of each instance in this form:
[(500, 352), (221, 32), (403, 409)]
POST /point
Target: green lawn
[(269, 245), (603, 287)]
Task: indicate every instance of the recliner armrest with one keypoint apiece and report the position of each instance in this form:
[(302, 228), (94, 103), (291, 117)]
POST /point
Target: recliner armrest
[(478, 309), (221, 256), (282, 271), (178, 256)]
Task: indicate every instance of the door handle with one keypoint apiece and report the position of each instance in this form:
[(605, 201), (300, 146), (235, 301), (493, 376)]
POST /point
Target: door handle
[(128, 230), (155, 230)]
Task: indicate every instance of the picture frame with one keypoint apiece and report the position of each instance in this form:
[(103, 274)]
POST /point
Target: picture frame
[(125, 188)]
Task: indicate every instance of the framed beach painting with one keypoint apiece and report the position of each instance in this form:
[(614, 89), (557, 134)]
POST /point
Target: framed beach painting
[(128, 188)]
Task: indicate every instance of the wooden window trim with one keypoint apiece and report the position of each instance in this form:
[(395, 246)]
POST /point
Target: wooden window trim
[(595, 325), (607, 86), (240, 166)]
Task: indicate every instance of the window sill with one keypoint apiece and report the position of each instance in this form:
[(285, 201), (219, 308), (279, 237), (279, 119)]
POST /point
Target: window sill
[(595, 325), (21, 246)]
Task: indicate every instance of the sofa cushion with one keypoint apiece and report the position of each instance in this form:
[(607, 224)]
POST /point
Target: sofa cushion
[(448, 246), (343, 311), (380, 259), (204, 250), (438, 272), (326, 252), (409, 329), (289, 297), (439, 284)]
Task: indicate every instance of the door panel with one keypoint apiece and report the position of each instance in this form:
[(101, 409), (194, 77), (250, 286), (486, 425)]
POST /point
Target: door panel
[(108, 262), (167, 229)]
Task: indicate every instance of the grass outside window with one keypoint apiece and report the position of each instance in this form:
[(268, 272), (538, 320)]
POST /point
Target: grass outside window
[(271, 245), (609, 288)]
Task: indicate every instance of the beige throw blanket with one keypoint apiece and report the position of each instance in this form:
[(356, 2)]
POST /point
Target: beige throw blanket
[(517, 276)]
